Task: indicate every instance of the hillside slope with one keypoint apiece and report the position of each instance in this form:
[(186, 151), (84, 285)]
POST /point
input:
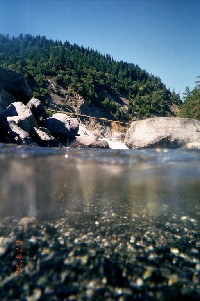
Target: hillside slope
[(73, 78)]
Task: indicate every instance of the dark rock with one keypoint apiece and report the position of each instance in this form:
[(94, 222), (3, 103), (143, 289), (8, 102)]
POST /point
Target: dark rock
[(43, 137), (113, 273), (38, 110), (51, 230), (15, 84), (22, 116), (2, 113), (156, 276), (17, 135), (63, 291), (62, 126), (6, 99), (50, 262), (4, 126), (4, 139), (164, 132)]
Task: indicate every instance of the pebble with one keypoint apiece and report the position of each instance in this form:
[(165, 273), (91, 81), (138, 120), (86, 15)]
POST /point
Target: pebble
[(26, 222), (4, 244)]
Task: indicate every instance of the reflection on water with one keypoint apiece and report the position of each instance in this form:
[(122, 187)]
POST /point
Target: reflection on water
[(46, 183)]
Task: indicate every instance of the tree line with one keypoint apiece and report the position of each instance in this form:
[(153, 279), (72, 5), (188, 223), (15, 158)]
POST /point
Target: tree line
[(87, 72), (191, 104)]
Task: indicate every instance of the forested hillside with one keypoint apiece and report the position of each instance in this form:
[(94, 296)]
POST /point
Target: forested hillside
[(191, 105), (118, 89)]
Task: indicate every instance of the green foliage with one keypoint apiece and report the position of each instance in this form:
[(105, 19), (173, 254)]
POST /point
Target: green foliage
[(191, 106), (186, 94), (110, 105), (197, 82), (87, 72), (59, 78)]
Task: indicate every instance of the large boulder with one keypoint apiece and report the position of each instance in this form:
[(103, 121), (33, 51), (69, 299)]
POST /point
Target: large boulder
[(43, 137), (163, 132), (6, 99), (17, 135), (22, 116), (38, 110), (62, 126), (15, 84)]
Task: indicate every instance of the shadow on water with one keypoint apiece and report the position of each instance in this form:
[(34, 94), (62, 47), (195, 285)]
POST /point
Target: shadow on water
[(49, 183)]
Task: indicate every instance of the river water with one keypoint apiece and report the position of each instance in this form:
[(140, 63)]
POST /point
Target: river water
[(110, 224), (46, 182)]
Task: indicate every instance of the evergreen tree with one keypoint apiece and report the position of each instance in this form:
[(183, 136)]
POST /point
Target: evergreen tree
[(191, 105), (87, 72), (186, 94)]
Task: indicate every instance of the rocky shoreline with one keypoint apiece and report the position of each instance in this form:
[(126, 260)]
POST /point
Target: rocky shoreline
[(104, 259), (24, 120)]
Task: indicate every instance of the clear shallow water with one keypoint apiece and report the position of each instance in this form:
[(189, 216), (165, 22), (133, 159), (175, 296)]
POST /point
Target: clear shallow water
[(110, 225), (50, 183)]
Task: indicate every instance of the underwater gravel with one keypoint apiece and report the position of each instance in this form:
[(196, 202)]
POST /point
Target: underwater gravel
[(105, 258)]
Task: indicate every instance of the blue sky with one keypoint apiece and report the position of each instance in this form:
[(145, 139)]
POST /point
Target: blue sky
[(161, 36)]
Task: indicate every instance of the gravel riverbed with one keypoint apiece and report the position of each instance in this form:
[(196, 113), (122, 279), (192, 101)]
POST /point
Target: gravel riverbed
[(102, 258)]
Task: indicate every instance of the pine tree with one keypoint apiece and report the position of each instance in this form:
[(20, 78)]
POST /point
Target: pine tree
[(186, 94)]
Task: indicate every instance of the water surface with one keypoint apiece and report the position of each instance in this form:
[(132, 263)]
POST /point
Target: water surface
[(46, 182)]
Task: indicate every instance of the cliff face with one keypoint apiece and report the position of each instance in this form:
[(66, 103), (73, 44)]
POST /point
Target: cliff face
[(63, 97), (14, 83)]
